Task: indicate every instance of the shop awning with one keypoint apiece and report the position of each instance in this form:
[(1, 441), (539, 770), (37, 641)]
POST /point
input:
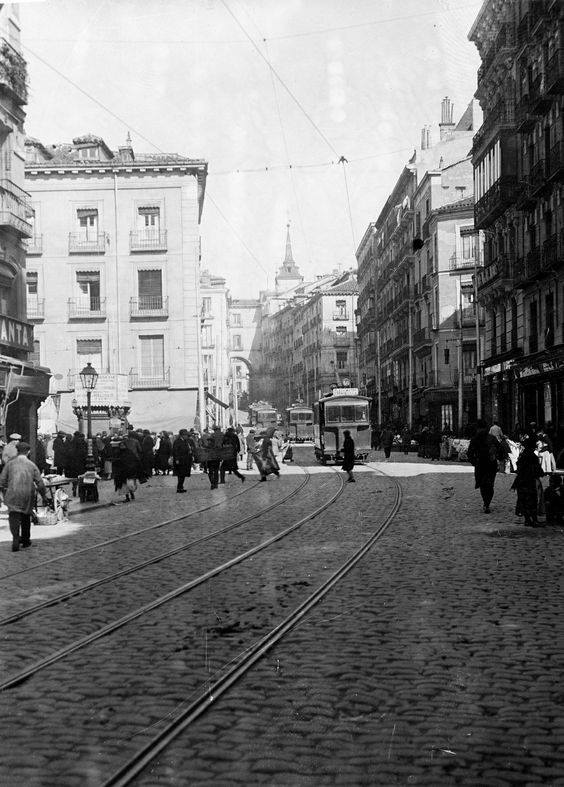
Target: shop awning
[(216, 400)]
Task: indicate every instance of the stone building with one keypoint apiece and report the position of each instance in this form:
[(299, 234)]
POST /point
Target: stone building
[(113, 278), (24, 384), (409, 293), (518, 166)]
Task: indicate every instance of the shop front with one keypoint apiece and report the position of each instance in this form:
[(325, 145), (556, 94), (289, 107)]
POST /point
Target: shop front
[(23, 387), (541, 390)]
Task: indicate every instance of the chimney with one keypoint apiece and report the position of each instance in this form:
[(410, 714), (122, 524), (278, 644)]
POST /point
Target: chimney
[(126, 151), (425, 137), (446, 125)]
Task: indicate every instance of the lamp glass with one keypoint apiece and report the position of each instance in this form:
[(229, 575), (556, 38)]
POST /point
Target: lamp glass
[(89, 377)]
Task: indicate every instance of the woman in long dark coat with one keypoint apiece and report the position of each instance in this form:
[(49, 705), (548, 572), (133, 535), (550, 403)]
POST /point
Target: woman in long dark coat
[(529, 471), (126, 466), (182, 457), (164, 452), (265, 459), (147, 445), (482, 453), (76, 459), (348, 456)]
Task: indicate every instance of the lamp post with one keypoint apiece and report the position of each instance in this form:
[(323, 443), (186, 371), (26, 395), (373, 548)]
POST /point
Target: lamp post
[(89, 378)]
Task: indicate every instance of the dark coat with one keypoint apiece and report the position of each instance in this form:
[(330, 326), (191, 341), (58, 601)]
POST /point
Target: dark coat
[(482, 453), (76, 459), (163, 454), (60, 451), (348, 454), (147, 446), (126, 461), (182, 456)]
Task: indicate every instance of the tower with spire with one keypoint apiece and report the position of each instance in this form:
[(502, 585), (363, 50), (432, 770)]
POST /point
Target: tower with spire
[(289, 275)]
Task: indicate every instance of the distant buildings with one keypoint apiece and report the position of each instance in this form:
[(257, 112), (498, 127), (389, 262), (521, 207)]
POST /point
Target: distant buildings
[(518, 158), (417, 324), (23, 386), (113, 278)]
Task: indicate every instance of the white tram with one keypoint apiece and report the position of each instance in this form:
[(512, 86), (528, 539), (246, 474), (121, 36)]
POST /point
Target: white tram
[(299, 423)]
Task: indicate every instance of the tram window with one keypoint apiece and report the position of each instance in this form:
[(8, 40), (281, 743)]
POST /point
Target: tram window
[(332, 415), (348, 412), (361, 413)]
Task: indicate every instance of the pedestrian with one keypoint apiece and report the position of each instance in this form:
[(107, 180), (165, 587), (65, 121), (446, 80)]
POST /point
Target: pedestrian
[(231, 440), (182, 458), (163, 454), (19, 480), (76, 459), (482, 453), (554, 501), (10, 450), (252, 448), (387, 440), (214, 444), (266, 461), (348, 456), (127, 465), (147, 445), (434, 440), (529, 472), (405, 440)]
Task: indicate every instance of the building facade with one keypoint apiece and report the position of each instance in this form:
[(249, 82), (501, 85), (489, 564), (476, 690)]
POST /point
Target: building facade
[(113, 278), (245, 348), (518, 169), (417, 354), (23, 383), (215, 349)]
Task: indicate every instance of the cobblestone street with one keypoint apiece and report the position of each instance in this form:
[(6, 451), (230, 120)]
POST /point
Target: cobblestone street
[(436, 661)]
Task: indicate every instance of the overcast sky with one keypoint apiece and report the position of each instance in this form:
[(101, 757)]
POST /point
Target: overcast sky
[(361, 78)]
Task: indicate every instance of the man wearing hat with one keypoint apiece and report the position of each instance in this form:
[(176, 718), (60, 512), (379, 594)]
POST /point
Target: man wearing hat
[(10, 451), (252, 448), (18, 481)]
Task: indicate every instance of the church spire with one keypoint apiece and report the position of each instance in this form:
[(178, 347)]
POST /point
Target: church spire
[(288, 259)]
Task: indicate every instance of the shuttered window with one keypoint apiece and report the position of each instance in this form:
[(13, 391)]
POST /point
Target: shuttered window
[(150, 287), (32, 282), (35, 356), (152, 357), (89, 350)]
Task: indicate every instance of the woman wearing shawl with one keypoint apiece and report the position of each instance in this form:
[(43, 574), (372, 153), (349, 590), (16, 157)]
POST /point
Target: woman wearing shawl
[(266, 461)]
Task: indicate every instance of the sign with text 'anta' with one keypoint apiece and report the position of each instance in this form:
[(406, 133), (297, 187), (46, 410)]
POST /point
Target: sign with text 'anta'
[(14, 333)]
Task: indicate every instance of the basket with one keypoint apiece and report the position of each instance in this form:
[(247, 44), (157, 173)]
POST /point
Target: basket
[(45, 516)]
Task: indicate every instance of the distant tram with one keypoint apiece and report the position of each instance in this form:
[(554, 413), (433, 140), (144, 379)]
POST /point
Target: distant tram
[(299, 423), (262, 415), (343, 409)]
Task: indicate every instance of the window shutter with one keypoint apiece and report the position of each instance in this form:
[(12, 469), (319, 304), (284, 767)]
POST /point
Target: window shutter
[(150, 283), (89, 346), (152, 357)]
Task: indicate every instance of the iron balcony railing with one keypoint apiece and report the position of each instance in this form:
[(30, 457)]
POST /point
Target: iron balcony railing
[(155, 379), (35, 308), (499, 269), (554, 75), (146, 306), (15, 208), (34, 245), (340, 315), (421, 337), (556, 159), (93, 309), (80, 243), (457, 263), (341, 340), (13, 71), (495, 200), (148, 240)]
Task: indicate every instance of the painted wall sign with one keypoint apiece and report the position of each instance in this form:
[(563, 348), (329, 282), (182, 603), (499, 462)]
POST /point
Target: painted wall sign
[(15, 333)]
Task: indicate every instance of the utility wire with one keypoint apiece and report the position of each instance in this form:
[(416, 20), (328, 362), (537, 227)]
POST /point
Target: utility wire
[(279, 78), (343, 161)]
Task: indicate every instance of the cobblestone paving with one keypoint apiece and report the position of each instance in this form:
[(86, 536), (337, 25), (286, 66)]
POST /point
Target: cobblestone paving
[(437, 661)]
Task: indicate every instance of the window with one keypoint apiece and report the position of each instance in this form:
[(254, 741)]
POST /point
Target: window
[(31, 278), (89, 351), (206, 305), (91, 153), (88, 290), (35, 355), (207, 340), (447, 356), (468, 247), (341, 330), (87, 221), (149, 220), (237, 342), (513, 323), (151, 352), (236, 319), (446, 416), (533, 327), (150, 289), (341, 307), (549, 317), (342, 358)]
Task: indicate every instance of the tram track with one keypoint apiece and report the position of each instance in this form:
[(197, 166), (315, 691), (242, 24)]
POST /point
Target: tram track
[(242, 664), (77, 591), (130, 534), (162, 600)]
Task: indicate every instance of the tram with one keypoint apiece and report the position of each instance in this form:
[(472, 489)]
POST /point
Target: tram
[(263, 415), (342, 409), (299, 423)]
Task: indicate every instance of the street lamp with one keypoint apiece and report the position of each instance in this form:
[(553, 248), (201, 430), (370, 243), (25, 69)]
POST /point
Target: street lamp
[(89, 378)]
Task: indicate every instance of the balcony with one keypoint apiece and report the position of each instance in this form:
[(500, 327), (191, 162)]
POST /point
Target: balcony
[(537, 176), (34, 246), (147, 240), (468, 317), (422, 341), (555, 161), (14, 209), (80, 243), (552, 252), (13, 72), (340, 315), (525, 117), (148, 307), (35, 308), (92, 309), (554, 75), (457, 264), (425, 283), (540, 99), (500, 117), (341, 340), (499, 197), (497, 274), (140, 380), (498, 49)]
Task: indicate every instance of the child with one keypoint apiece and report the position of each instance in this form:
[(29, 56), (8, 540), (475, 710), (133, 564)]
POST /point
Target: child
[(554, 501)]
